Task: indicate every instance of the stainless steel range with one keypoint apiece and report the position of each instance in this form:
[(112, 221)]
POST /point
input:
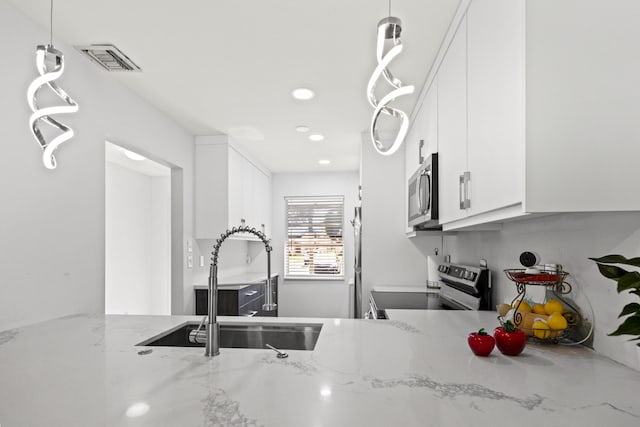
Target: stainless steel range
[(466, 287), (462, 287)]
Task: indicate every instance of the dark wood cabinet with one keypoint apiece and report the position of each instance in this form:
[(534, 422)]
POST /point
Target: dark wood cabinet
[(238, 300)]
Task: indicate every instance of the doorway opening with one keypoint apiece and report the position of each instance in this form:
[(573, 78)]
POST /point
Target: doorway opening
[(138, 233)]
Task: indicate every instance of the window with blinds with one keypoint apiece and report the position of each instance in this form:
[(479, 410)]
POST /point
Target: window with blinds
[(314, 246)]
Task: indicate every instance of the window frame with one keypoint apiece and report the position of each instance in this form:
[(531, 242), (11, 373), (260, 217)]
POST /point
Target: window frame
[(315, 276)]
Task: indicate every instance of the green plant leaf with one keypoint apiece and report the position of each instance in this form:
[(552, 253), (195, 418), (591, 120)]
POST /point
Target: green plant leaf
[(630, 308), (611, 271), (630, 280), (630, 326), (617, 259)]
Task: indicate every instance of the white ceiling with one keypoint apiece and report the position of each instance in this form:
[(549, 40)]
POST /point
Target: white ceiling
[(224, 66)]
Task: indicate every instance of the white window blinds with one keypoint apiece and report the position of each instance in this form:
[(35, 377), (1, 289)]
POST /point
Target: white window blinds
[(314, 246)]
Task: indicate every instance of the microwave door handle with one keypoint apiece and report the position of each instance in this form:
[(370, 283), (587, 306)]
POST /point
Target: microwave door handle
[(427, 190), (418, 190), (424, 186)]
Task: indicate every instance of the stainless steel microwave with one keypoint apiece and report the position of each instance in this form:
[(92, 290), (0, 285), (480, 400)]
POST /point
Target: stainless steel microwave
[(423, 195)]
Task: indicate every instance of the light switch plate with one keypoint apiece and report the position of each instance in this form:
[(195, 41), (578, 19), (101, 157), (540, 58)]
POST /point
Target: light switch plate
[(189, 245), (190, 261)]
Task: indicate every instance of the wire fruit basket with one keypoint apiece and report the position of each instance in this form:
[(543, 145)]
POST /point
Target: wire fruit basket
[(557, 288)]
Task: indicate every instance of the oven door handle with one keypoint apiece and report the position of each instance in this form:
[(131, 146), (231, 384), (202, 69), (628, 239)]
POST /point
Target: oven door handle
[(454, 304)]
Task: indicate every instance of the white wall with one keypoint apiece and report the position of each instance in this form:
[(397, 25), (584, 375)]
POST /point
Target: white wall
[(137, 242), (160, 245), (232, 259), (53, 222), (389, 258), (307, 298), (567, 239)]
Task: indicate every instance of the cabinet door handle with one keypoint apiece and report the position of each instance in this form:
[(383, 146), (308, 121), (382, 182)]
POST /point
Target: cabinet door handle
[(461, 192), (250, 293), (251, 313), (242, 221), (463, 187), (467, 200)]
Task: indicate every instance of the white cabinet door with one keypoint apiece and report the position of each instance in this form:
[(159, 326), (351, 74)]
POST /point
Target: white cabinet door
[(262, 201), (495, 79), (411, 145), (211, 190), (430, 114), (236, 188), (425, 129), (248, 211), (452, 124)]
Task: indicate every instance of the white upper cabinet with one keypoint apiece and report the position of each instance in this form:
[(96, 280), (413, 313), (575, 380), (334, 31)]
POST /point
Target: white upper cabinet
[(537, 110), (262, 201), (230, 190), (452, 126), (422, 138), (495, 103), (480, 112)]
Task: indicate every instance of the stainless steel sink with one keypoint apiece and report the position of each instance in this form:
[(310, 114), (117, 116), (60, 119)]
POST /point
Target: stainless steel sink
[(284, 336)]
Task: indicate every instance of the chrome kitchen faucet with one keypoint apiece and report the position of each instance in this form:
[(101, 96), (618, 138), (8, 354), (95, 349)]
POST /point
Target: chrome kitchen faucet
[(213, 327)]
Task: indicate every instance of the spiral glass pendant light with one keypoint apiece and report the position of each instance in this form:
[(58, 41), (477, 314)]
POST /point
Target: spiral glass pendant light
[(50, 66), (389, 28)]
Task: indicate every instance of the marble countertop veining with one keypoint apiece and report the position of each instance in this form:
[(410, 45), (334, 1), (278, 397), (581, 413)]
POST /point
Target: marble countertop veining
[(412, 370)]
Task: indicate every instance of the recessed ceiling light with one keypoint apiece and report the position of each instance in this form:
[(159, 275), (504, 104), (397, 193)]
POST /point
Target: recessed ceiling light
[(324, 162), (302, 128), (137, 409), (303, 93), (316, 137), (325, 392), (134, 156)]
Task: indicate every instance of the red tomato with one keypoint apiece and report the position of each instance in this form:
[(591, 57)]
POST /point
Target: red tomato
[(481, 343), (509, 339)]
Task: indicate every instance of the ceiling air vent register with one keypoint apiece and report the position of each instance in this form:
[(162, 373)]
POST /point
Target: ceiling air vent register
[(108, 57)]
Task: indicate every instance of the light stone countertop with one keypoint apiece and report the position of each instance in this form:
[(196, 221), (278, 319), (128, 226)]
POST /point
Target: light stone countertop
[(412, 370)]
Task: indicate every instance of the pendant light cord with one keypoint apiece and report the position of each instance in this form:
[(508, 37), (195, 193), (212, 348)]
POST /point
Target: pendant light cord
[(51, 25)]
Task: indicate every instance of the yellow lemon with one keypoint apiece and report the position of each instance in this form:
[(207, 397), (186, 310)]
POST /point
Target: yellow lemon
[(527, 322), (552, 306), (541, 329), (524, 307), (538, 309), (557, 322)]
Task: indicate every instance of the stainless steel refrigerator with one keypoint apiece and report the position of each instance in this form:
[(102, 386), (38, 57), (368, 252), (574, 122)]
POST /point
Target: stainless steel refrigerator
[(357, 279)]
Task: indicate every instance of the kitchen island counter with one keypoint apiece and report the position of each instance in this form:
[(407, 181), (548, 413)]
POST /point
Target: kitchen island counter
[(414, 370)]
